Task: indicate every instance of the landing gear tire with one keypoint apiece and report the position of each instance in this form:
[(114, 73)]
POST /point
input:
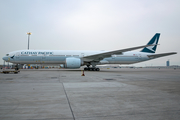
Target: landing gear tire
[(97, 69), (86, 69), (91, 69)]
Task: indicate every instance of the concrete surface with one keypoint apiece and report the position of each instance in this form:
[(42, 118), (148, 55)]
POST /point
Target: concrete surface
[(111, 94)]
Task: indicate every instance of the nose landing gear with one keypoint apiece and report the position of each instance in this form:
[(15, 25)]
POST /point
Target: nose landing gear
[(16, 67)]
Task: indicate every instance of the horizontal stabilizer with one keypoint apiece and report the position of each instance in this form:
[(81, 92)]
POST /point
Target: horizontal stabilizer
[(161, 55)]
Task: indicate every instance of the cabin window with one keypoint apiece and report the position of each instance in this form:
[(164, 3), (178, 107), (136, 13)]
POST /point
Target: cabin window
[(24, 55), (7, 54), (57, 55)]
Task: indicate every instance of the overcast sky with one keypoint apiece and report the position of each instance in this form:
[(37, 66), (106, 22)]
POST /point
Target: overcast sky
[(90, 25)]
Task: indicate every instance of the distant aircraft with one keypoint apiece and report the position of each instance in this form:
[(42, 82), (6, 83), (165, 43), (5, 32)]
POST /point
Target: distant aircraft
[(76, 59)]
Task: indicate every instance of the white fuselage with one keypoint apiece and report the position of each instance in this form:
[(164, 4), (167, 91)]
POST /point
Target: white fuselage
[(59, 57)]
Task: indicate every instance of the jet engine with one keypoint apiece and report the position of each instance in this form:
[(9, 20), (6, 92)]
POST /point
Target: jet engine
[(72, 63)]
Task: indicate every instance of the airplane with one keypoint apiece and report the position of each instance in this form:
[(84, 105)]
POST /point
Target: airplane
[(73, 59)]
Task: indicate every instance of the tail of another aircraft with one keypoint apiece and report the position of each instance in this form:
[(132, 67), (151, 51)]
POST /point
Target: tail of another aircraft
[(154, 40)]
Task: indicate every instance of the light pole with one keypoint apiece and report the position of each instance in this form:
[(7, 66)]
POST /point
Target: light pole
[(29, 33)]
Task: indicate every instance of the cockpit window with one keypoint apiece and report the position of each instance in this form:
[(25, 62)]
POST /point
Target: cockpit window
[(7, 54)]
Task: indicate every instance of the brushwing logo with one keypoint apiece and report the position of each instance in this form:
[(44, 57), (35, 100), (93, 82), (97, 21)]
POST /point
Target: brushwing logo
[(151, 48)]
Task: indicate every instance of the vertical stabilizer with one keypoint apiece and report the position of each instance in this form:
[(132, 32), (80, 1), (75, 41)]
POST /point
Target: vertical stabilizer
[(154, 40)]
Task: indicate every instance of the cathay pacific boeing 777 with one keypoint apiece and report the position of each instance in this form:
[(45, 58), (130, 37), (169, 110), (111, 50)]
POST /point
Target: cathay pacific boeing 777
[(76, 59)]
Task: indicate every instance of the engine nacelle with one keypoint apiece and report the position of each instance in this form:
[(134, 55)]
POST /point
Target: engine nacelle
[(72, 63)]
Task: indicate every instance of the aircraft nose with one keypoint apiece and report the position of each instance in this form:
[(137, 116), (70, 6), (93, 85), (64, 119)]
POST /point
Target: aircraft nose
[(5, 58)]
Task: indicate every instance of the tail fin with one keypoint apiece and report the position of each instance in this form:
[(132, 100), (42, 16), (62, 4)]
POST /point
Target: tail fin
[(154, 40)]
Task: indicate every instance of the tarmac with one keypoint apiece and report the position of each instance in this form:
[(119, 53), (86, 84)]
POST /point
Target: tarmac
[(109, 94)]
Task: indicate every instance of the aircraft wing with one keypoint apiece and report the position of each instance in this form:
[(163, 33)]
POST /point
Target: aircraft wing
[(101, 56), (161, 55)]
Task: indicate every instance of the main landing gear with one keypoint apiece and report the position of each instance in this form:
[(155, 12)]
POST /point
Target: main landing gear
[(91, 69)]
